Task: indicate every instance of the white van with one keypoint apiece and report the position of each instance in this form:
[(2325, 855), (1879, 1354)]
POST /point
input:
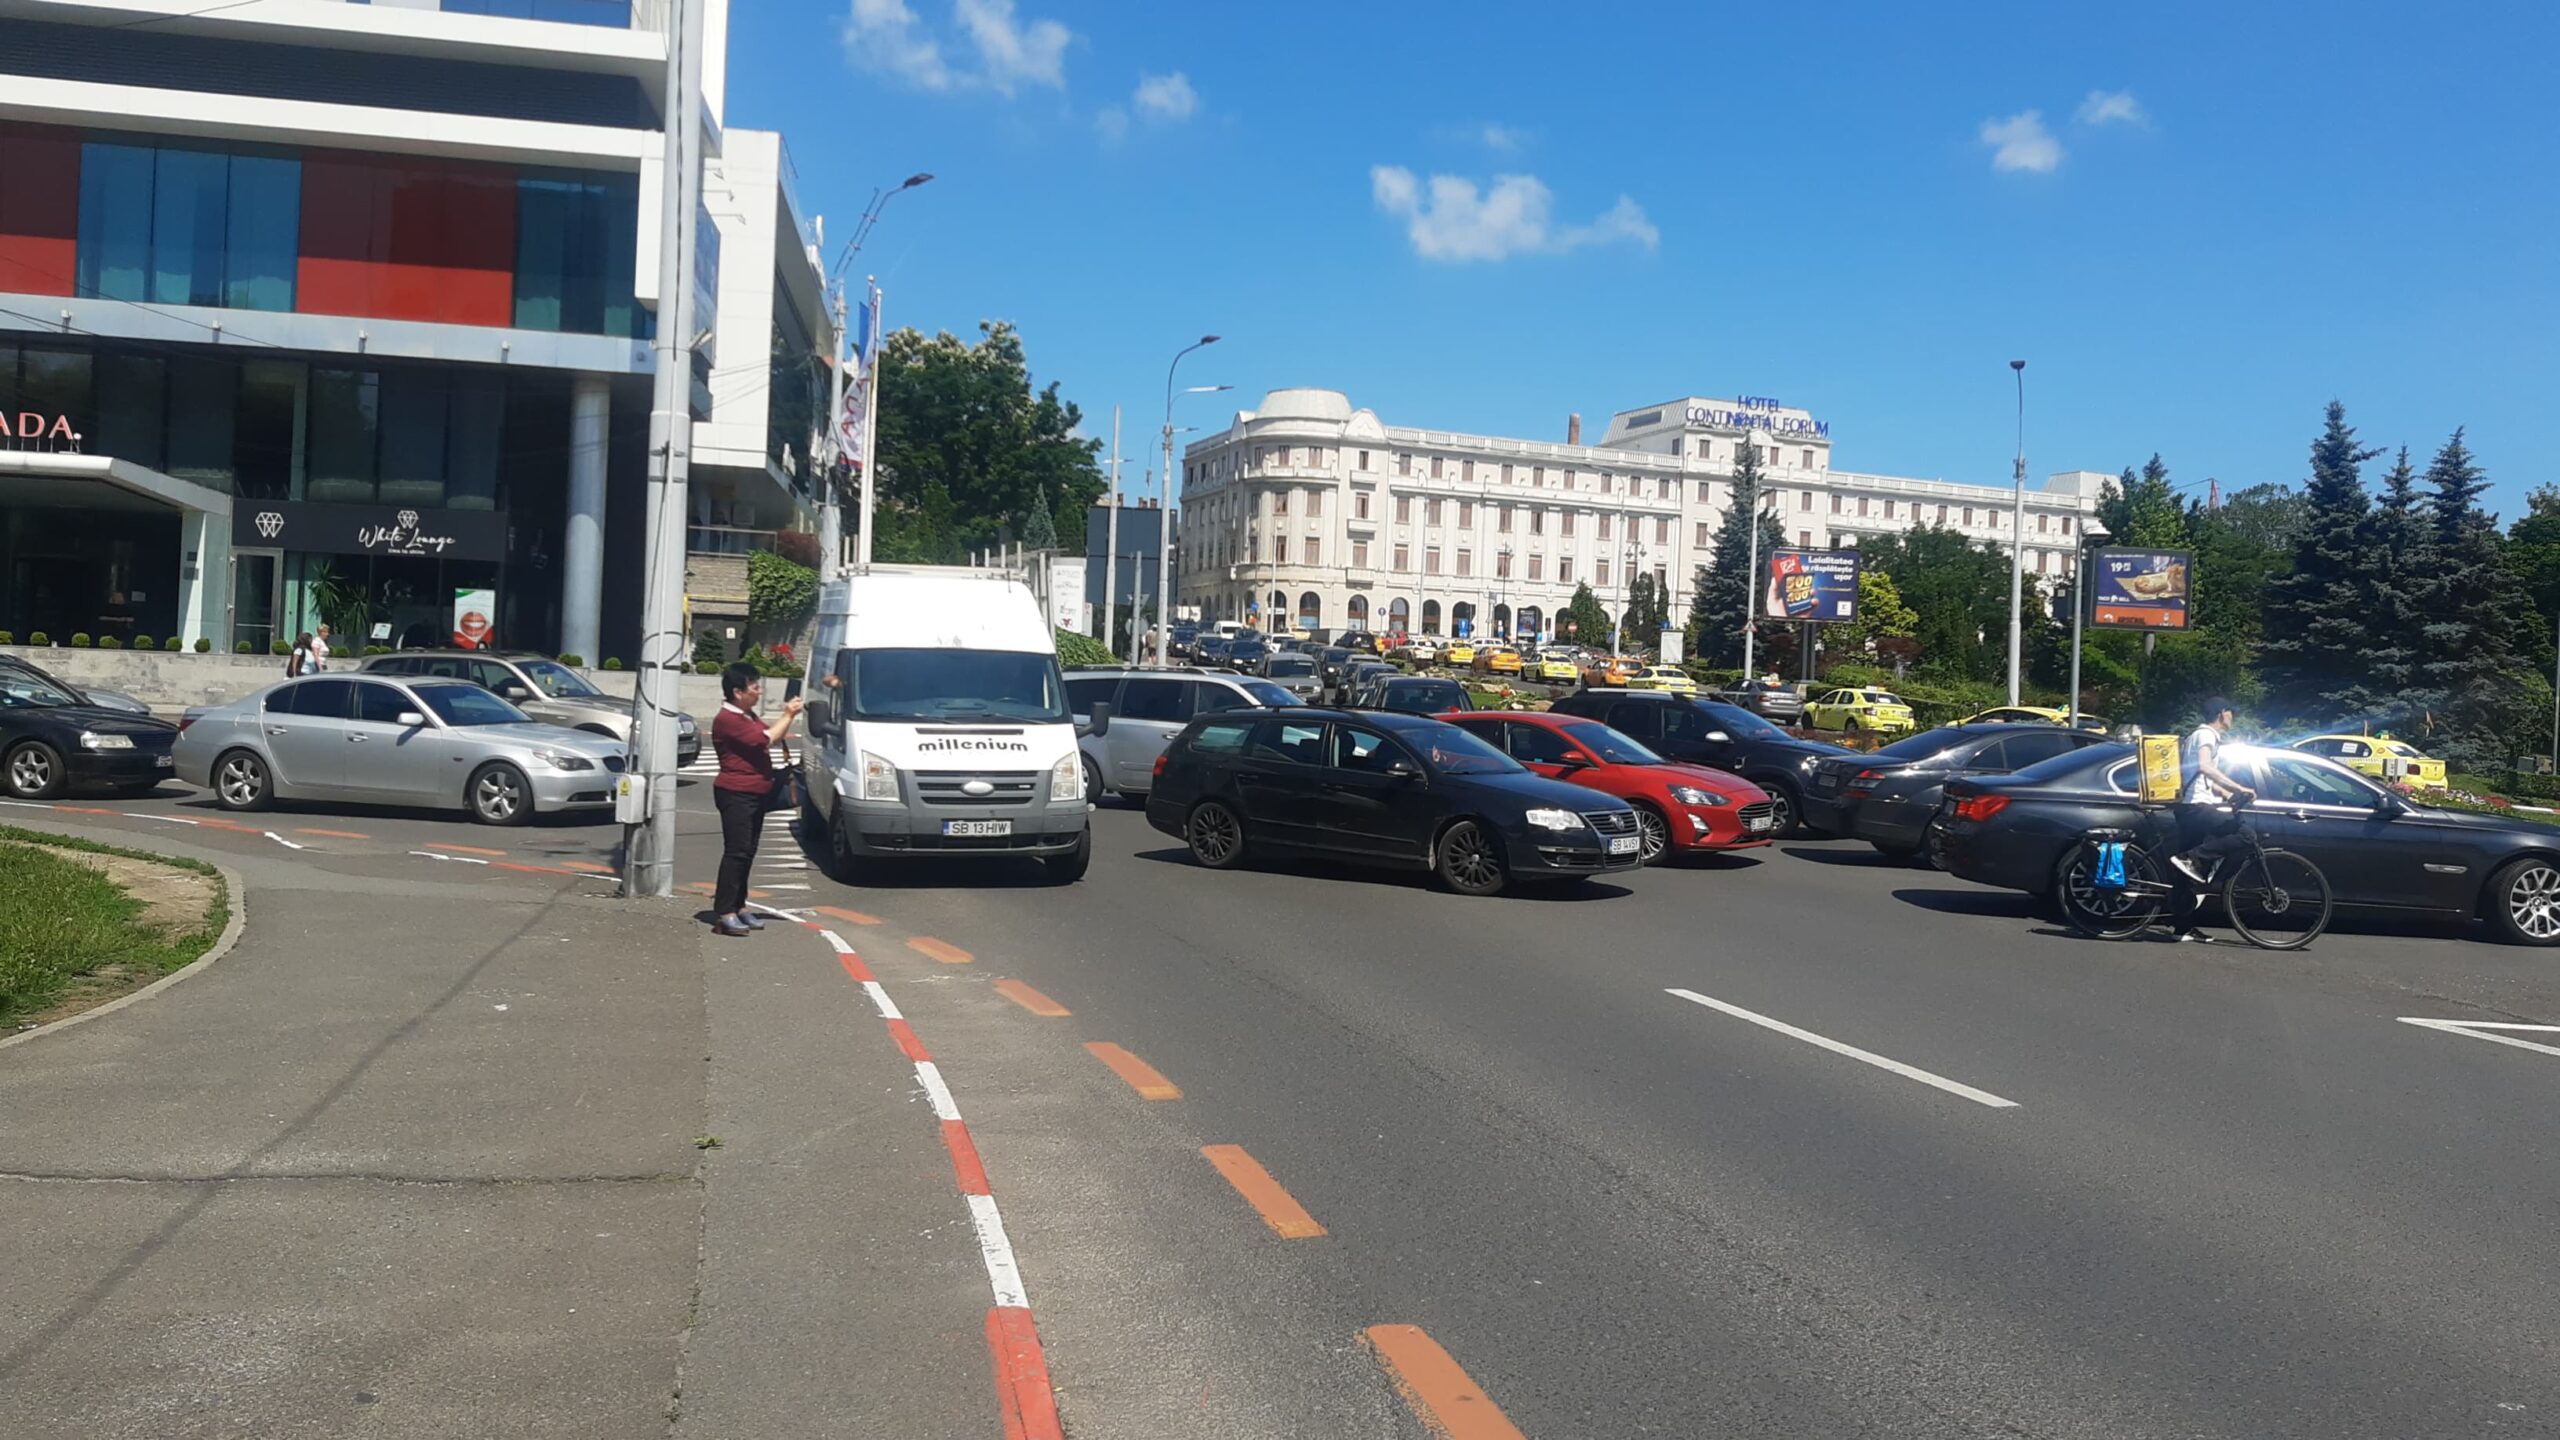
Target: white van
[(947, 730)]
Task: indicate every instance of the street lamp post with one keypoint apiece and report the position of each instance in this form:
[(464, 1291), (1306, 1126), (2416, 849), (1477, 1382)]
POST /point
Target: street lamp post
[(1751, 587), (2090, 529), (2018, 534), (1164, 510), (830, 517)]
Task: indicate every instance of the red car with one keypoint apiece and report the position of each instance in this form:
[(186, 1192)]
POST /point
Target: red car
[(1681, 808)]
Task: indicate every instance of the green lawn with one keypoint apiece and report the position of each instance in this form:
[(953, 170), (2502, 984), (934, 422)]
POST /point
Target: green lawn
[(62, 922)]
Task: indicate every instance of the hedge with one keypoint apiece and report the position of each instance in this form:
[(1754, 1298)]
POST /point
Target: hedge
[(1075, 649), (574, 662), (204, 646), (142, 642)]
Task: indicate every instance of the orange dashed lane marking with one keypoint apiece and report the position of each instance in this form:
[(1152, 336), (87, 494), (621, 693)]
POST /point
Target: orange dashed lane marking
[(942, 950), (463, 849), (1450, 1406), (1142, 1077), (1030, 999), (850, 917), (332, 834), (1279, 1209), (590, 867)]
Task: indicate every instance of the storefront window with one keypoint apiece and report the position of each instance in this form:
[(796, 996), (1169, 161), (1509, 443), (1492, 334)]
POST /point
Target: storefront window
[(413, 418), (203, 397), (55, 382), (268, 447), (474, 437), (346, 422)]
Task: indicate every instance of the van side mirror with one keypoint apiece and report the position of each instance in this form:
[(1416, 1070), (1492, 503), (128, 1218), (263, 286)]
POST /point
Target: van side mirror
[(1101, 722), (820, 713)]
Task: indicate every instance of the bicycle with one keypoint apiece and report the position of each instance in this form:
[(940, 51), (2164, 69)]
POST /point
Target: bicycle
[(2277, 900)]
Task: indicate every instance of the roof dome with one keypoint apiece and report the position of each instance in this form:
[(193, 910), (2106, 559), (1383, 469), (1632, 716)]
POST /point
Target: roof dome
[(1305, 404)]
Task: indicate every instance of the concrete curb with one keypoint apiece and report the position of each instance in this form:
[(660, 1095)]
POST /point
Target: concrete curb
[(235, 897)]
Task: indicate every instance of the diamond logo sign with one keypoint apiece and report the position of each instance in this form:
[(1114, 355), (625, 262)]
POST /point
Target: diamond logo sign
[(270, 524), (408, 519)]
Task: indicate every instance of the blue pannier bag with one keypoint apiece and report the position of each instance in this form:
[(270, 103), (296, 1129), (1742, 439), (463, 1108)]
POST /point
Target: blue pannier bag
[(2111, 865)]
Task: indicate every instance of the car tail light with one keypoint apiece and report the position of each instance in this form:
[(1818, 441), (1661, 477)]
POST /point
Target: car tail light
[(1158, 772), (184, 721), (1981, 807)]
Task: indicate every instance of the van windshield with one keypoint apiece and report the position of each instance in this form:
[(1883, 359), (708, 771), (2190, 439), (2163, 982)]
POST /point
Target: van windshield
[(955, 685)]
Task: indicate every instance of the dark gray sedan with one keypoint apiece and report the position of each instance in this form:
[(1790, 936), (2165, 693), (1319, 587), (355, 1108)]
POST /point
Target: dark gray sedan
[(1887, 797)]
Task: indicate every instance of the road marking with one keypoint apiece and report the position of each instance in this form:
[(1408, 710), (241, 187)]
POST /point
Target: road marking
[(837, 941), (171, 819), (2475, 1029), (1908, 1072), (457, 859), (332, 834), (288, 844), (24, 805), (944, 951), (1142, 1077), (590, 867), (850, 917), (466, 849), (930, 1076), (1030, 999), (1450, 1405), (1024, 1400), (881, 1002), (1002, 1274), (1279, 1209), (909, 1044)]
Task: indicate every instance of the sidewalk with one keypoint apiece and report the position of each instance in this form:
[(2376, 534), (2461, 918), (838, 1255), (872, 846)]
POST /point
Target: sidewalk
[(418, 1158)]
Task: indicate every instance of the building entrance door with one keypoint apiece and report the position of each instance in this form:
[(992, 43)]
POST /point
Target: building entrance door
[(255, 597)]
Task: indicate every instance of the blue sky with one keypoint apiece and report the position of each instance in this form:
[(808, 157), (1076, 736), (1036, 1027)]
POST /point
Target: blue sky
[(2217, 218)]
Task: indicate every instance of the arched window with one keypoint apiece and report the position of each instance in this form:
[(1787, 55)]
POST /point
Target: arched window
[(1310, 611), (1462, 618), (1430, 617), (1529, 619), (1502, 620), (1358, 612), (1279, 605), (1399, 617)]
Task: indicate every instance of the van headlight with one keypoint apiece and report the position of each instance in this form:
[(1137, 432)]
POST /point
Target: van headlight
[(1554, 819), (879, 778), (1066, 780), (92, 740)]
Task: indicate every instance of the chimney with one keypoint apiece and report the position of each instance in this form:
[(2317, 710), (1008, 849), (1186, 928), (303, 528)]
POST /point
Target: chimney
[(1573, 429)]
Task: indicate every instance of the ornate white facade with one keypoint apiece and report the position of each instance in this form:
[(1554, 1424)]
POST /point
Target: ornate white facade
[(1311, 510)]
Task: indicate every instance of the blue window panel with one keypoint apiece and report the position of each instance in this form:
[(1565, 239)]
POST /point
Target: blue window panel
[(115, 220), (189, 213), (577, 239), (264, 237)]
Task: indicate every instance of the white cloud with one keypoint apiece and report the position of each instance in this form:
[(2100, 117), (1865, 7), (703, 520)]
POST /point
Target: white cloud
[(1505, 138), (1452, 220), (2112, 107), (886, 36), (1168, 98), (2022, 143)]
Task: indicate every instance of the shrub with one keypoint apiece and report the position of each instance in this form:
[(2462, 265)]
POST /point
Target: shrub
[(79, 639), (279, 647), (706, 667), (797, 546), (611, 663), (779, 594), (173, 643), (6, 638), (709, 646), (204, 646), (109, 642), (574, 662), (40, 639), (141, 642), (377, 649), (241, 647), (1075, 649)]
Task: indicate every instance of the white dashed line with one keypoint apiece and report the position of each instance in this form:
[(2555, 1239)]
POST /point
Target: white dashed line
[(288, 844), (462, 859), (2477, 1029), (1908, 1072)]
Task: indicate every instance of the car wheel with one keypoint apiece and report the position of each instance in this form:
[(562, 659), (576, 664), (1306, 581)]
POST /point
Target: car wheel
[(1094, 794), (1784, 808), (34, 771), (1069, 868), (241, 781), (1656, 845), (499, 795), (1469, 859), (1215, 835), (2524, 902)]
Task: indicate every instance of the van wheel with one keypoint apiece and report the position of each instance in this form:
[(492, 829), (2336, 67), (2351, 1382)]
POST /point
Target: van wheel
[(1094, 793), (1069, 868), (842, 863)]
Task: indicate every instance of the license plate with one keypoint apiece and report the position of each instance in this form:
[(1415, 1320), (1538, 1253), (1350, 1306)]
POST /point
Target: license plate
[(165, 762), (1624, 844), (977, 827), (1826, 782), (1758, 822)]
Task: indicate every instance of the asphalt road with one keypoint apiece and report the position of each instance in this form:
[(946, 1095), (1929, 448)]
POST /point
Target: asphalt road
[(1989, 1179)]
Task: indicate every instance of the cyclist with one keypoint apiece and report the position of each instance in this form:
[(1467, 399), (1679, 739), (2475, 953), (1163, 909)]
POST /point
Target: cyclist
[(2203, 826)]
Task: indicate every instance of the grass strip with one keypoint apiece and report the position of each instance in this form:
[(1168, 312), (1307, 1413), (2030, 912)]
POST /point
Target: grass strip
[(62, 922)]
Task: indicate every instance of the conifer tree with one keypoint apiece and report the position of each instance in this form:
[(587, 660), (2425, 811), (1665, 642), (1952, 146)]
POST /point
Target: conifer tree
[(1723, 586), (2313, 657), (2473, 608)]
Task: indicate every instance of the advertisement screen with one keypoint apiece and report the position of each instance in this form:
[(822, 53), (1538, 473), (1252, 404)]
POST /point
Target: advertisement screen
[(1819, 585), (2139, 589), (475, 612)]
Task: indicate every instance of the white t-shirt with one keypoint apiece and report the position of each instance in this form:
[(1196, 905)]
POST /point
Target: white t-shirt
[(319, 652), (2200, 747)]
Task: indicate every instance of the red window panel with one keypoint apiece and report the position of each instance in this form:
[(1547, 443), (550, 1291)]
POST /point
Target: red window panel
[(408, 239), (39, 209)]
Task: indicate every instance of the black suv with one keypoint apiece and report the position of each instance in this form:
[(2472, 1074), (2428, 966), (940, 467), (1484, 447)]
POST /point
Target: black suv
[(1382, 789), (1711, 732)]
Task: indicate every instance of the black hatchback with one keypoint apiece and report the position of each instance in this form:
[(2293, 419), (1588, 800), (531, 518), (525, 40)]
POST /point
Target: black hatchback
[(1384, 789)]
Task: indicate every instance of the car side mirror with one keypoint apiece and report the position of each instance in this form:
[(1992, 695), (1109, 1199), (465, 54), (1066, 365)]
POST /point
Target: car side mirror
[(1718, 737), (1573, 762), (1101, 722), (513, 691), (1403, 770), (410, 720), (2393, 807)]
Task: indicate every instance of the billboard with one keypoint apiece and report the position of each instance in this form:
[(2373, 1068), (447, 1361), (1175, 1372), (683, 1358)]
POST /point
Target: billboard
[(1818, 585), (2140, 589)]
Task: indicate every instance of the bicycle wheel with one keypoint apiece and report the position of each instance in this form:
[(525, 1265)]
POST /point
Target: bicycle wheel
[(2109, 914), (2277, 900)]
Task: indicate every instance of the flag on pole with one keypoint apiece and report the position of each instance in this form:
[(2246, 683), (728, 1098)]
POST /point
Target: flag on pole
[(857, 388)]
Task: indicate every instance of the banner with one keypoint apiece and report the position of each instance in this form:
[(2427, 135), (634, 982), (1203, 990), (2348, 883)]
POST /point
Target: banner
[(2139, 589), (475, 625), (1816, 585)]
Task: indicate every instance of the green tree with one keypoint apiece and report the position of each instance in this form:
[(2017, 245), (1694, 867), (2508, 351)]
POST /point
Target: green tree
[(1646, 610), (2313, 657), (2142, 510), (967, 448), (1039, 525), (1881, 615), (1590, 622), (1958, 590), (2474, 608), (2399, 552), (1724, 585), (2533, 556)]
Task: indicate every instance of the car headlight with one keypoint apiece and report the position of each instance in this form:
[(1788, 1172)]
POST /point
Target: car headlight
[(879, 778), (562, 760), (92, 740), (1066, 780), (1555, 820), (1692, 795), (685, 726)]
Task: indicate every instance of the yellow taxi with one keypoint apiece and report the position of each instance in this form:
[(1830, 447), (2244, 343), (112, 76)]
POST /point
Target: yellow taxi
[(1557, 670), (2033, 715), (1460, 652), (1859, 710), (2378, 756), (1612, 670), (1670, 679), (1498, 660)]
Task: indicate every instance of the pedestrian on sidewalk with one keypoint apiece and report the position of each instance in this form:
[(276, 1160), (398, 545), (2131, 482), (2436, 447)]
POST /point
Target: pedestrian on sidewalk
[(743, 792), (300, 662), (320, 647)]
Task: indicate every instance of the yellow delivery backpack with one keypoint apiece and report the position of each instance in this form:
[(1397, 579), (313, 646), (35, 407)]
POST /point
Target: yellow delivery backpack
[(2161, 780)]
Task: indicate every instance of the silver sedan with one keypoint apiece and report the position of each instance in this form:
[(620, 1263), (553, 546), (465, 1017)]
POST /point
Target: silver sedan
[(367, 739)]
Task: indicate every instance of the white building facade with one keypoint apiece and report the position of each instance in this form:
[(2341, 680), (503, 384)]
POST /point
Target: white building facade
[(1322, 516)]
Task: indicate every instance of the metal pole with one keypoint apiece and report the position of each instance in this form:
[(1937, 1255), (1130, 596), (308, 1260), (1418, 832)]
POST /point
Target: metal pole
[(2555, 696), (2018, 534), (1751, 586), (1164, 521), (870, 418), (649, 847), (1111, 544), (2079, 607), (830, 502)]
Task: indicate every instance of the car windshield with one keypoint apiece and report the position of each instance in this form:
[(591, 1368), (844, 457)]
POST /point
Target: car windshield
[(1268, 693), (1612, 747), (469, 705), (1741, 724), (21, 690), (1452, 751), (1424, 697), (1922, 745), (1290, 665), (559, 681), (926, 685)]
